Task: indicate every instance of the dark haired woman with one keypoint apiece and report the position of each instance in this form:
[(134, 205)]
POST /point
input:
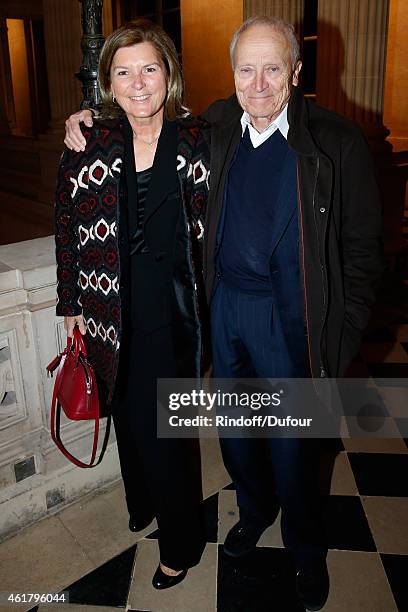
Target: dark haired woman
[(128, 219)]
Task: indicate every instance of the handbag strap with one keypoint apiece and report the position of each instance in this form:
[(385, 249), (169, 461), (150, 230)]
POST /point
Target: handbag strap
[(78, 341), (56, 426)]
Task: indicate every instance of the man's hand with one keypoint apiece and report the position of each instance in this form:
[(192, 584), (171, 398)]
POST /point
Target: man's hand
[(74, 138), (70, 322)]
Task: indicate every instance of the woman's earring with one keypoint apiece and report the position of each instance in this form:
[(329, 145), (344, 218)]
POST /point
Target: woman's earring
[(113, 98)]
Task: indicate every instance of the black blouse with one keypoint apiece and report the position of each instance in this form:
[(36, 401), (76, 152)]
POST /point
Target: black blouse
[(137, 242)]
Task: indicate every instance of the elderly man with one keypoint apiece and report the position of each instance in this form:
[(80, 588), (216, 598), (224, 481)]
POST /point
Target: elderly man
[(293, 257), (292, 261)]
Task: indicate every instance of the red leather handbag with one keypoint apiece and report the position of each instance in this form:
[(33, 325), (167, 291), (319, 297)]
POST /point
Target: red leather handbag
[(76, 391)]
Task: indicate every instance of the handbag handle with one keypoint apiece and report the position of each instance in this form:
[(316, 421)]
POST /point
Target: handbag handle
[(78, 343)]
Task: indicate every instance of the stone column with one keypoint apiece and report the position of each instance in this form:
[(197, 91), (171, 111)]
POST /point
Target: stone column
[(351, 49), (62, 29), (288, 10), (7, 118)]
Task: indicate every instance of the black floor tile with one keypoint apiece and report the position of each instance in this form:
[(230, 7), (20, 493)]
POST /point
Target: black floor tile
[(346, 524), (396, 568), (262, 581), (153, 536), (230, 487), (108, 585), (380, 473), (388, 370)]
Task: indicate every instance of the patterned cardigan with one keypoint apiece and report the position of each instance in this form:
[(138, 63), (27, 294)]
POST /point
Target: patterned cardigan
[(87, 207)]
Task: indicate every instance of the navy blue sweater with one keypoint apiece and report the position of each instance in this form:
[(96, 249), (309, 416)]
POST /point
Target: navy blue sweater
[(252, 195)]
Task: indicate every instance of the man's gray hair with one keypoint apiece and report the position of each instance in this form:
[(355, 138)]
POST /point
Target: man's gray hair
[(274, 22)]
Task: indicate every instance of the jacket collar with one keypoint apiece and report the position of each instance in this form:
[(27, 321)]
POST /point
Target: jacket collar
[(299, 135)]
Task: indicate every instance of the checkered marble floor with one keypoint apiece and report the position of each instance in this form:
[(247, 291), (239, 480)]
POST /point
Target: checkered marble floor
[(365, 497), (368, 558)]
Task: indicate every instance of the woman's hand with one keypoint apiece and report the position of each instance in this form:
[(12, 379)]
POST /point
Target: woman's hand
[(70, 322), (74, 138)]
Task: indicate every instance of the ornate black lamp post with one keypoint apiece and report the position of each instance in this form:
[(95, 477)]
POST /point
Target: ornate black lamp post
[(91, 44)]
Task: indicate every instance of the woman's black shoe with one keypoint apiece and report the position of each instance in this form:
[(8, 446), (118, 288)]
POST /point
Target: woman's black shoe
[(163, 581), (137, 524)]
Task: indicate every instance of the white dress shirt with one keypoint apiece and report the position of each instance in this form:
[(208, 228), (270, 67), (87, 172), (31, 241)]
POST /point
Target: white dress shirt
[(257, 138)]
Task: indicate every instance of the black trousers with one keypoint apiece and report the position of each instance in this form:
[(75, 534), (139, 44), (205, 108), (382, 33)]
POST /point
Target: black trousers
[(248, 342), (162, 477)]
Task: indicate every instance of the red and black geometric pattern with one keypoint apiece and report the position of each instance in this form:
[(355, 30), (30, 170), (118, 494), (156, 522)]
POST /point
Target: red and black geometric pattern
[(86, 216)]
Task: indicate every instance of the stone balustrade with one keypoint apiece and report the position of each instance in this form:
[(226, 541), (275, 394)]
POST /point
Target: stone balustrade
[(35, 478)]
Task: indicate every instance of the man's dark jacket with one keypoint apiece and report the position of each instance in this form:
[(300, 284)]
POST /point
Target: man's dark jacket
[(340, 226)]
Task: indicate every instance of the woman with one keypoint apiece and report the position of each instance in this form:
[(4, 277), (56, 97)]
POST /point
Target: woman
[(128, 219)]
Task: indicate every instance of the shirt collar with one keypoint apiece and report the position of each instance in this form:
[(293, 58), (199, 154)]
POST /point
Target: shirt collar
[(280, 123)]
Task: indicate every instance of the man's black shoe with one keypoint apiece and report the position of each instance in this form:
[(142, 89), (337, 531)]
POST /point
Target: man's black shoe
[(242, 539), (313, 586)]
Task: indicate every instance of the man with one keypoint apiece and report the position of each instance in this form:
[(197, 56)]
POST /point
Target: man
[(292, 261)]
